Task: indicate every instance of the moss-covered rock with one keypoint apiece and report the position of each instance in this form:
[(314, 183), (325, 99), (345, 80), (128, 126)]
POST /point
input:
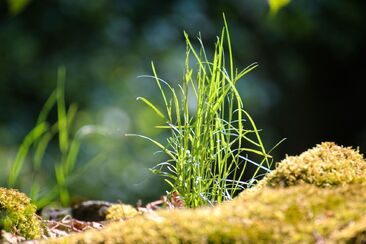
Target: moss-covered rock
[(18, 214), (298, 214), (354, 232), (325, 165), (323, 200)]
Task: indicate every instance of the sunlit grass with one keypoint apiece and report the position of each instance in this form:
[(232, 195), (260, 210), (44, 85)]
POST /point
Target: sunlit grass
[(209, 148)]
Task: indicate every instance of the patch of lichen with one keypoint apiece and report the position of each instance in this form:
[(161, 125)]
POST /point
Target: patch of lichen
[(325, 165), (297, 214), (18, 214), (121, 212)]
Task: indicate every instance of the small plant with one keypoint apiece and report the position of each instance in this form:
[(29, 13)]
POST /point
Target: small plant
[(209, 147), (38, 140)]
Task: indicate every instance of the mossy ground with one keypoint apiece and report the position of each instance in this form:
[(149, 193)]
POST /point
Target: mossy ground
[(325, 165), (18, 215), (298, 214), (317, 197)]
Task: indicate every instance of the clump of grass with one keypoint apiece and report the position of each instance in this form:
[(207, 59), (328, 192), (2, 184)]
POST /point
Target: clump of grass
[(38, 140), (209, 148)]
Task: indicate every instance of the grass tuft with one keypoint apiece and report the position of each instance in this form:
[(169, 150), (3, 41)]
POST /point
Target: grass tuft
[(209, 148)]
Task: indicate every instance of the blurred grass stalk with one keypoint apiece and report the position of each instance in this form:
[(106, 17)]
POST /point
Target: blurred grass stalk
[(276, 5), (38, 140), (207, 146)]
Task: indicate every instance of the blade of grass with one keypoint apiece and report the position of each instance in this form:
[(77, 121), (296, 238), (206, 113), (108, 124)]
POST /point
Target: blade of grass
[(61, 111), (18, 163)]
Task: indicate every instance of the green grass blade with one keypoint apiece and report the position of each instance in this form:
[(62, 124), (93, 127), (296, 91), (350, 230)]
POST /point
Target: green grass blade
[(229, 47), (18, 163), (40, 149), (42, 117), (61, 111), (152, 106), (72, 156)]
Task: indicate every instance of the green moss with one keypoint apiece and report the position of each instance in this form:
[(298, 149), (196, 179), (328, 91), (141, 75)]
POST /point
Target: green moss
[(18, 215), (297, 214), (121, 212), (325, 165), (322, 201), (354, 232)]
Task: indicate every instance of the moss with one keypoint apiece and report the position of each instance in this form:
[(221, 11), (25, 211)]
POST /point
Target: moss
[(325, 165), (121, 212), (316, 197), (297, 214), (354, 232), (18, 215)]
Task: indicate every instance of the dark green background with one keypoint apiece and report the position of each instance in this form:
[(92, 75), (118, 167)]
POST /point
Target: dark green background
[(307, 87)]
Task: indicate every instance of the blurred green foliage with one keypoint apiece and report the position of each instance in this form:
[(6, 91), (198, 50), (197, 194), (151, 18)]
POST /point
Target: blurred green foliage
[(15, 6), (276, 5), (308, 86)]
